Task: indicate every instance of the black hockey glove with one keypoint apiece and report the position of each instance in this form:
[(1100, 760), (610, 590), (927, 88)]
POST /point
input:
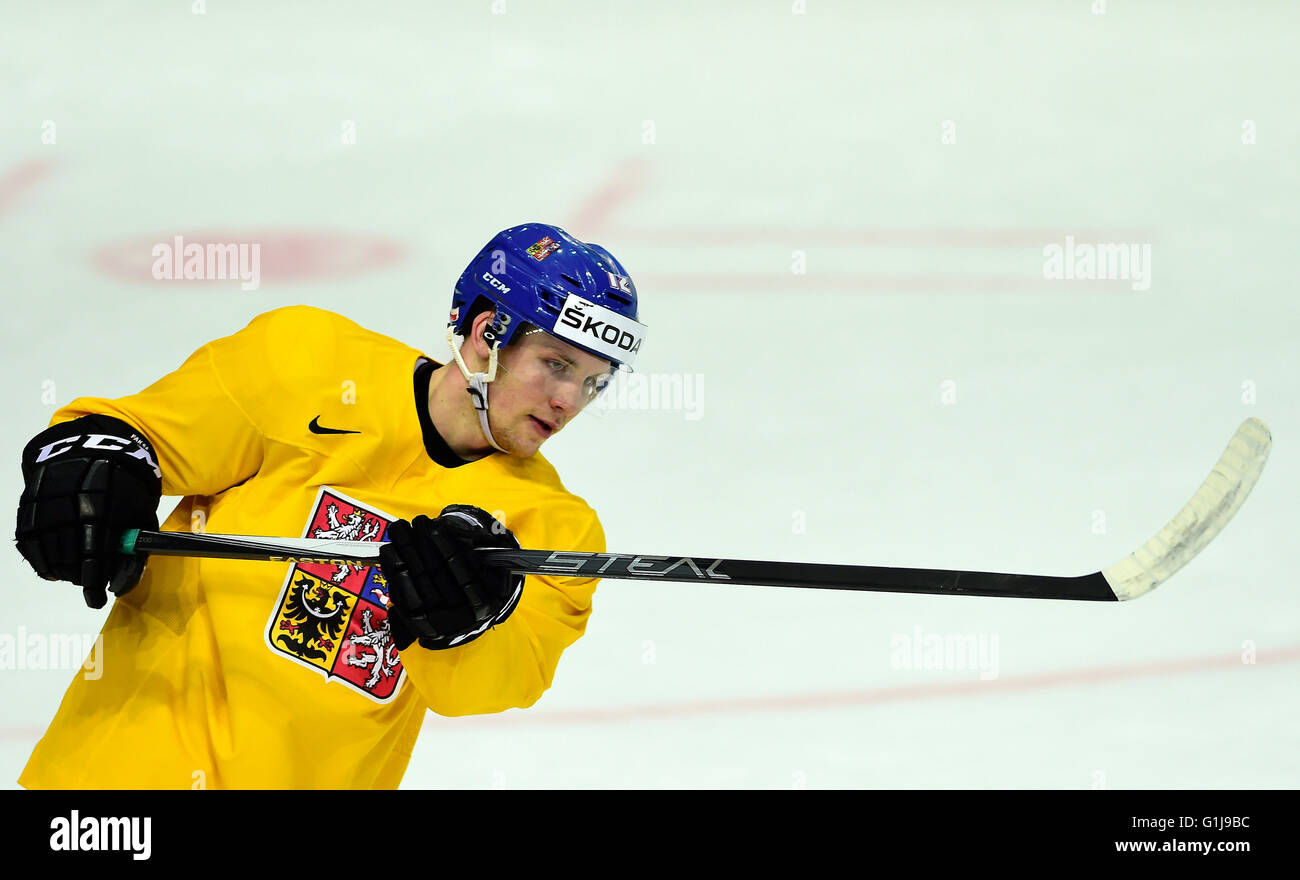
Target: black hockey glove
[(438, 592), (86, 482)]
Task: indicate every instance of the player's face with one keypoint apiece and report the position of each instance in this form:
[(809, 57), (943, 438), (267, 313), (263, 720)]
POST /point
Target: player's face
[(542, 383)]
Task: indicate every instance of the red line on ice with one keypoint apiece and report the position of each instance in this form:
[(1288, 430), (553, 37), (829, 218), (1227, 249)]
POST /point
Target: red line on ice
[(874, 696), (784, 281), (593, 213), (868, 697), (795, 236), (21, 178)]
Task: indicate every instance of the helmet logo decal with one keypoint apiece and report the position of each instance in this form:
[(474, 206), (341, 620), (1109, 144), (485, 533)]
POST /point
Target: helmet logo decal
[(495, 282), (599, 329), (543, 249), (619, 282)]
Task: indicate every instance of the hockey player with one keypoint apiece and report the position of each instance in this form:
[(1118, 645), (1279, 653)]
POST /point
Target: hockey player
[(238, 674)]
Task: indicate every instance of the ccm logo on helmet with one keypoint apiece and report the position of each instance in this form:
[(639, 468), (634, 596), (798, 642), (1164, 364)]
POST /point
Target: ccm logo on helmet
[(495, 282), (599, 328)]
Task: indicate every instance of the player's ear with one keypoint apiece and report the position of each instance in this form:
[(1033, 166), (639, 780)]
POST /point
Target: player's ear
[(479, 324)]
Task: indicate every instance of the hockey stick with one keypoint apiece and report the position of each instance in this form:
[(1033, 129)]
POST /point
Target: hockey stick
[(1210, 509)]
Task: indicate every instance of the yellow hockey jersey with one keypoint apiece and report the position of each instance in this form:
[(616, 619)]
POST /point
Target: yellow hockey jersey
[(241, 674)]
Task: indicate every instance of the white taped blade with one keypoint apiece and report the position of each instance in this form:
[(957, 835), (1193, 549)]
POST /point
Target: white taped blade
[(1210, 509)]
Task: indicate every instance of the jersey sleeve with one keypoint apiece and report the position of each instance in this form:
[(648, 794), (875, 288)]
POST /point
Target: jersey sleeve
[(511, 665), (204, 419)]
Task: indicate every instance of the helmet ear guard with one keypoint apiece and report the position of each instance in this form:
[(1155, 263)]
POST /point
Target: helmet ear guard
[(500, 328)]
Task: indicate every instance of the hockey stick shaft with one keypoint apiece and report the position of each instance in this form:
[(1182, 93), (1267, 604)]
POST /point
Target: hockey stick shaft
[(1210, 509), (626, 566)]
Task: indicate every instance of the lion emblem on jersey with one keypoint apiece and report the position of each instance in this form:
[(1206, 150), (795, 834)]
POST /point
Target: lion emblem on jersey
[(356, 527), (334, 618)]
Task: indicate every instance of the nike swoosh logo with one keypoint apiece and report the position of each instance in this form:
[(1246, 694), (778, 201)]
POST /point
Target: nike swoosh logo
[(317, 429)]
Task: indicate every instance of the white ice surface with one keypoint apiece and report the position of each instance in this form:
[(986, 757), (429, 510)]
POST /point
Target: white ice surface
[(822, 397)]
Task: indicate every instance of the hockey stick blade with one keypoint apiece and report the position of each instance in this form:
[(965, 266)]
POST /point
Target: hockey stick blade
[(1210, 509)]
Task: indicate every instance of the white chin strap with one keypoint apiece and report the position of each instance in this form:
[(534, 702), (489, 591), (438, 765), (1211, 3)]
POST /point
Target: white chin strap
[(478, 383)]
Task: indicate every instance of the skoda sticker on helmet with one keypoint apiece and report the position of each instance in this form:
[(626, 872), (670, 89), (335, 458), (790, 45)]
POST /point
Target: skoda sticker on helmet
[(599, 329)]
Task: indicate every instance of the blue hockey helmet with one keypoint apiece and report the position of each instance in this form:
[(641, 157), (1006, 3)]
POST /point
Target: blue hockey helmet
[(538, 274)]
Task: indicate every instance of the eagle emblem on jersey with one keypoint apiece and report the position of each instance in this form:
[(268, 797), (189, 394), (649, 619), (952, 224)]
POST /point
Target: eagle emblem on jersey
[(334, 618)]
